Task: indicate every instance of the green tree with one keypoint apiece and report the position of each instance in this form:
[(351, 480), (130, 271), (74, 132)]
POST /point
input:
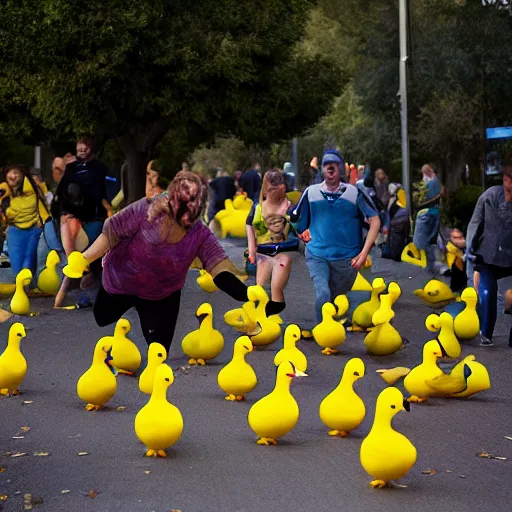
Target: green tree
[(135, 69)]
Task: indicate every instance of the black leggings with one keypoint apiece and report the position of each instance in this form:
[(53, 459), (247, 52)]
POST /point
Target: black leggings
[(157, 317)]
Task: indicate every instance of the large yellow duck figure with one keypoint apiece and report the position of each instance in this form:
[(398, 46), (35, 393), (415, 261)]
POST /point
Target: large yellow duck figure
[(342, 410), (48, 280), (13, 365), (126, 356), (363, 314), (277, 413), (466, 323), (270, 329), (386, 454), (98, 384), (156, 356), (329, 333), (384, 339), (290, 352), (436, 294), (238, 378), (159, 424), (446, 337), (20, 305), (412, 255), (206, 342), (232, 219)]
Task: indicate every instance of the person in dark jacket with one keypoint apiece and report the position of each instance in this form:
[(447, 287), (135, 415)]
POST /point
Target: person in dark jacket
[(219, 189), (251, 182)]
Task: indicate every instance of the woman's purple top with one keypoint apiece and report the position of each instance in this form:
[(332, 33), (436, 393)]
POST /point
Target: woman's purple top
[(141, 260)]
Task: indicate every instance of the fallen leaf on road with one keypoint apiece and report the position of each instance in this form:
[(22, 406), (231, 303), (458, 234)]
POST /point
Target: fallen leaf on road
[(74, 437), (18, 437), (92, 494), (2, 470), (121, 408), (429, 472), (81, 454), (483, 455), (509, 438), (175, 510), (41, 454), (3, 497), (27, 502), (147, 472), (17, 454), (25, 429), (26, 402), (65, 491), (498, 458), (462, 476), (449, 471)]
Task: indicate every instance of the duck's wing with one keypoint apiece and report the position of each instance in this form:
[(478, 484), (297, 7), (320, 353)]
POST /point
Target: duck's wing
[(393, 374), (450, 384)]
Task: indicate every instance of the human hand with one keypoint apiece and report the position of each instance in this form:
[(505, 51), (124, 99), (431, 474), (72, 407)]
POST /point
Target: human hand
[(359, 261), (252, 257), (76, 266), (305, 236)]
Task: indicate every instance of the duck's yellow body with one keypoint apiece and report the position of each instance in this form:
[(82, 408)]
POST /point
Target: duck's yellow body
[(329, 333), (98, 384), (206, 342), (270, 330), (13, 365), (277, 413), (159, 424), (362, 316), (205, 282), (244, 319), (126, 355), (48, 280), (342, 410), (436, 294), (7, 289), (412, 255), (156, 356), (446, 336), (386, 454), (290, 352), (467, 324), (238, 378), (384, 339), (20, 305)]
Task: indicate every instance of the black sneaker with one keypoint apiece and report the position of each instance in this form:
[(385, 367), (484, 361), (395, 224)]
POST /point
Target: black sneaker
[(485, 342)]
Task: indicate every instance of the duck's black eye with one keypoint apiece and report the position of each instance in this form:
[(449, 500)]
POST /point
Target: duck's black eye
[(166, 379), (356, 374), (246, 348), (19, 334), (295, 336), (393, 407), (160, 354)]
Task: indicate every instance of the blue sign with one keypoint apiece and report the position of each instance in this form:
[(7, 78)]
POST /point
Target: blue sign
[(501, 132)]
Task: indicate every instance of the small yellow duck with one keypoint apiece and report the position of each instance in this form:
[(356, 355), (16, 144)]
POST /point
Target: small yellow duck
[(126, 355), (98, 384), (466, 323), (412, 255), (238, 378), (277, 413), (156, 356), (342, 410), (395, 291), (20, 305), (436, 294), (329, 333), (384, 339), (362, 316), (270, 330), (206, 342), (466, 379), (48, 280), (159, 424), (290, 352), (205, 282), (386, 454), (446, 336), (13, 365)]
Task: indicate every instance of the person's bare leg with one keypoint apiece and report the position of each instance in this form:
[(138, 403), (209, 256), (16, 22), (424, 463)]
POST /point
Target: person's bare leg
[(263, 271), (68, 243), (280, 276), (61, 294)]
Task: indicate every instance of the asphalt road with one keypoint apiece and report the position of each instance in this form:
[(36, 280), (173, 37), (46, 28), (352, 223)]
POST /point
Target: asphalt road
[(217, 466)]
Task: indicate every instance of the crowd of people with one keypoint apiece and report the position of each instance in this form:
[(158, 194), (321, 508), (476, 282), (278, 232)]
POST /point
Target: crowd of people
[(343, 213)]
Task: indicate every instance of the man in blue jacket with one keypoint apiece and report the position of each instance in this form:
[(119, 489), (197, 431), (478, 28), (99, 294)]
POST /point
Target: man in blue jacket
[(330, 217)]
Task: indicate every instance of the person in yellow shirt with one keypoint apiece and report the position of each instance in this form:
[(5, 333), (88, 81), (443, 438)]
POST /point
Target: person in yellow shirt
[(25, 210)]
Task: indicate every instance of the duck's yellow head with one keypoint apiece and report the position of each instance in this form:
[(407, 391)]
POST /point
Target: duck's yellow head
[(257, 293), (436, 288), (390, 402), (341, 303), (292, 333), (123, 327), (243, 345), (328, 310), (446, 320), (433, 322), (24, 277), (384, 313), (433, 350), (164, 376), (203, 311), (202, 272), (156, 354), (52, 259), (17, 332), (287, 370), (354, 369), (469, 296), (394, 290)]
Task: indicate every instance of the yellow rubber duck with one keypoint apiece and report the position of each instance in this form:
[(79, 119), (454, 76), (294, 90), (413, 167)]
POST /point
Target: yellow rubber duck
[(361, 284), (232, 219), (159, 424), (205, 282), (244, 319), (290, 352), (20, 305), (98, 384), (206, 342), (466, 378), (238, 378), (7, 289), (270, 330), (436, 294), (277, 413), (384, 339), (329, 333), (394, 291), (412, 255), (341, 304), (48, 280), (446, 336), (466, 323), (415, 381), (362, 316), (156, 356), (386, 454), (126, 355), (342, 410), (13, 365)]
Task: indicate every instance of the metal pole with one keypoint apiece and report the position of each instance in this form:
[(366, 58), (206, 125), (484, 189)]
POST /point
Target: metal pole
[(406, 175), (37, 157), (295, 158)]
